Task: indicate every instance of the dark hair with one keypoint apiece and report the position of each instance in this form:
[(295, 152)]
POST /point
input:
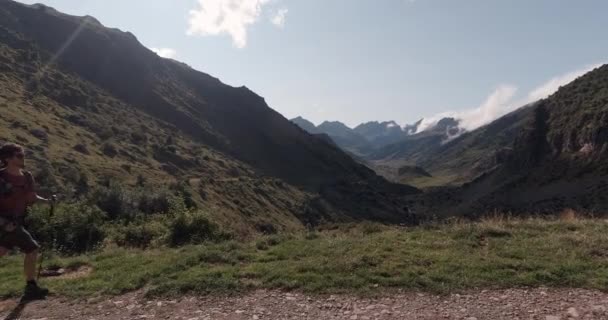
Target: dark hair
[(8, 150)]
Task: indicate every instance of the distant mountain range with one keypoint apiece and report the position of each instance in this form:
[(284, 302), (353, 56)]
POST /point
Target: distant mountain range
[(386, 146), (366, 137), (542, 158), (450, 154)]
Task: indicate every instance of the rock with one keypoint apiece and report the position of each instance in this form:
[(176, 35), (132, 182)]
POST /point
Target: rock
[(40, 134), (573, 313), (553, 318), (598, 310)]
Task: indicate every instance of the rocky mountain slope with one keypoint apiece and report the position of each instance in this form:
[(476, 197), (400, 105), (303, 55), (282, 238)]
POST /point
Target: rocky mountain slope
[(557, 159), (381, 133), (93, 103)]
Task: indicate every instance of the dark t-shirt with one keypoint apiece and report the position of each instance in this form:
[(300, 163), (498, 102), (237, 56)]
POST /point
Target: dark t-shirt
[(18, 192)]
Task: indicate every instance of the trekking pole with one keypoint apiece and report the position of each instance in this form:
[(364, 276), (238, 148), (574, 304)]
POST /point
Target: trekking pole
[(51, 212)]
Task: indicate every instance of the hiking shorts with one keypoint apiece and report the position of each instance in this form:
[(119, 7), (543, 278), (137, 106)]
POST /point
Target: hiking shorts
[(19, 238)]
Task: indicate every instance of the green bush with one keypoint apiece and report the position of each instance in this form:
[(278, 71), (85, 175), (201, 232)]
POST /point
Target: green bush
[(121, 202), (125, 218), (145, 232), (189, 226), (73, 228), (115, 200), (151, 201)]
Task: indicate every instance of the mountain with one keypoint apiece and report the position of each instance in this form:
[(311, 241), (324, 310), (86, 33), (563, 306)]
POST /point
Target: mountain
[(411, 129), (557, 158), (381, 133), (451, 156), (306, 125), (343, 136), (364, 139), (93, 104), (336, 129), (386, 147)]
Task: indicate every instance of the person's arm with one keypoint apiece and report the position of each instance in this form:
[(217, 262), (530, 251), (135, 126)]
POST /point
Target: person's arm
[(41, 199), (33, 196)]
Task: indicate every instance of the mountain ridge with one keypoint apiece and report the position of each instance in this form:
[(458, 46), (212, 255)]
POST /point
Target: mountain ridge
[(555, 161), (110, 100)]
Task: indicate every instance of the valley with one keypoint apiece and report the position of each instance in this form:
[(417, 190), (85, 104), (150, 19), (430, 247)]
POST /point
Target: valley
[(184, 197)]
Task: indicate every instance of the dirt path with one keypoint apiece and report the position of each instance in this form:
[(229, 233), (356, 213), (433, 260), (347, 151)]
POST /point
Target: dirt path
[(544, 304)]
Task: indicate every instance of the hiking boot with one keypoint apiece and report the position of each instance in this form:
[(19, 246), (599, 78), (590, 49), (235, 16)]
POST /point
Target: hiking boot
[(34, 292)]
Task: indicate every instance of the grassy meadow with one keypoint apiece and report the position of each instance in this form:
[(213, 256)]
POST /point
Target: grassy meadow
[(363, 258)]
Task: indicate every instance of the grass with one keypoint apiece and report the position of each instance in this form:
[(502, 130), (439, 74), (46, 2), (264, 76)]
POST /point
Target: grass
[(354, 258), (440, 178)]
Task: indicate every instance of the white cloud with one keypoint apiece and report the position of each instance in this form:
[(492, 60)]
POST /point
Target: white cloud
[(499, 103), (165, 52), (551, 86), (232, 17), (502, 101), (279, 18)]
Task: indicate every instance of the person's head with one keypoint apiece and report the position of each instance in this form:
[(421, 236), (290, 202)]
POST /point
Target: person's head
[(12, 155)]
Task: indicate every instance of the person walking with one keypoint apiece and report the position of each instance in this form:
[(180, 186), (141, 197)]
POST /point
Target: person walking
[(17, 193)]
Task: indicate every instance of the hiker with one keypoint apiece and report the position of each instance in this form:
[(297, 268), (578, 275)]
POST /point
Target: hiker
[(17, 193)]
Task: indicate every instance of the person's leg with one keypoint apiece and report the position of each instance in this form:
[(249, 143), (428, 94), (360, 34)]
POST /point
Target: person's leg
[(30, 247), (29, 265)]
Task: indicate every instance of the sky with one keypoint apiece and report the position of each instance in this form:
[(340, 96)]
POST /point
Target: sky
[(373, 60)]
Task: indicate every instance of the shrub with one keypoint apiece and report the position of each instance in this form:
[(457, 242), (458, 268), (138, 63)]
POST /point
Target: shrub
[(191, 226), (109, 150), (139, 138), (114, 200), (150, 201), (40, 134), (184, 190), (141, 233), (82, 148), (73, 228)]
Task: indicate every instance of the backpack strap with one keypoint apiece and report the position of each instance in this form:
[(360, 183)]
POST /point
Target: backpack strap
[(4, 187), (29, 180)]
